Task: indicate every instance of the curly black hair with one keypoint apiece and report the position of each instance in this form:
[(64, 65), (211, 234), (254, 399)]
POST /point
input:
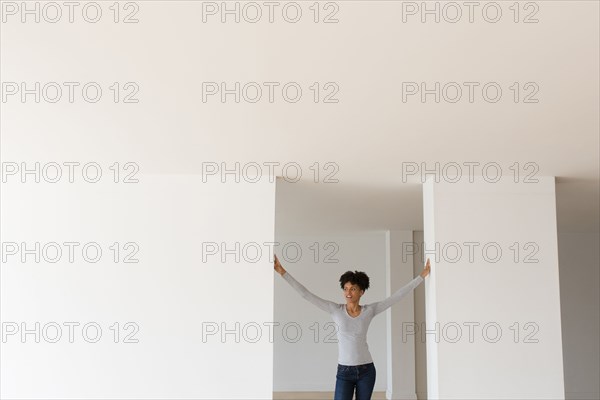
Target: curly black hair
[(356, 278)]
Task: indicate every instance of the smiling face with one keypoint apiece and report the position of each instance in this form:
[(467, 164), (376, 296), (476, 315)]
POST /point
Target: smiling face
[(352, 293)]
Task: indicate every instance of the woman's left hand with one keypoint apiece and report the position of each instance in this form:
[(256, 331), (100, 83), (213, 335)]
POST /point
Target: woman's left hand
[(426, 270)]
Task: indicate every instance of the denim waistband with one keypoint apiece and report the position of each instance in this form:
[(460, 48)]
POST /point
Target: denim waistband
[(360, 365)]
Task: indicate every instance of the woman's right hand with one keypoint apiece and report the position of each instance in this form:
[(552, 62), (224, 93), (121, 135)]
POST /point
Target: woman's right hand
[(278, 267)]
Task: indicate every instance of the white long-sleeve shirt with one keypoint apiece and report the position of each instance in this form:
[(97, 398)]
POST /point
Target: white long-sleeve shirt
[(352, 331)]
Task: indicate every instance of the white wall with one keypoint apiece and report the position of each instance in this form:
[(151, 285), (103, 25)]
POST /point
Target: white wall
[(170, 294), (499, 293), (579, 265), (401, 317), (306, 365), (420, 344)]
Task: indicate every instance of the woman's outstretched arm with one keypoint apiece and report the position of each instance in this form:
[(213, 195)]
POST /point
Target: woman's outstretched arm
[(325, 305), (383, 305)]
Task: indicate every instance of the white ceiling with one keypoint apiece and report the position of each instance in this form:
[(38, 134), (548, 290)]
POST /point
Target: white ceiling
[(369, 133), (309, 208)]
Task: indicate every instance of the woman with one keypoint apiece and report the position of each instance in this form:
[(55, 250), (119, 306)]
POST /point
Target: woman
[(355, 368)]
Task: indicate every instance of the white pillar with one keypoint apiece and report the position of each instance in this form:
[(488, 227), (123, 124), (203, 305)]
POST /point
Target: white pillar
[(401, 351), (173, 321), (503, 292)]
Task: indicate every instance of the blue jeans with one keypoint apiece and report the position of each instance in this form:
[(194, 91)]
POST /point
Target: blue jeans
[(361, 377)]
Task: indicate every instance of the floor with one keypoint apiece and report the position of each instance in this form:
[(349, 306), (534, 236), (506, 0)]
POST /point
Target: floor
[(316, 396)]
